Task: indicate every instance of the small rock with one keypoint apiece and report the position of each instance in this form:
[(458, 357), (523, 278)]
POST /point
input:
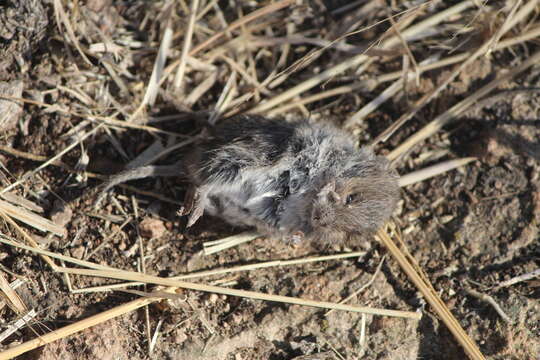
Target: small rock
[(179, 336), (213, 298), (10, 110), (61, 215), (152, 228), (98, 5), (77, 252)]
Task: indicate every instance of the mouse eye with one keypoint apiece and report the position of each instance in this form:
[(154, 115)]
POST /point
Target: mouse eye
[(352, 198)]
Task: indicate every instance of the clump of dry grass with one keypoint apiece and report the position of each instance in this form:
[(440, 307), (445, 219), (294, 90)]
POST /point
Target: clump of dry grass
[(122, 68)]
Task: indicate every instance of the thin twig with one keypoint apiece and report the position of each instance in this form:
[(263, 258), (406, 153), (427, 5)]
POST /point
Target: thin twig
[(488, 299), (363, 287), (517, 279)]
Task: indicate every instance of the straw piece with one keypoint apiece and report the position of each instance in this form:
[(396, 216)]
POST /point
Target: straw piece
[(16, 326), (12, 298), (29, 218), (61, 17), (28, 239), (75, 327), (359, 59), (53, 255), (18, 200), (145, 157), (459, 108), (102, 119), (424, 100), (268, 9), (105, 272), (268, 264), (409, 266), (371, 83), (250, 267), (212, 247), (178, 80), (157, 72), (495, 38), (149, 279), (388, 93), (431, 171), (13, 285)]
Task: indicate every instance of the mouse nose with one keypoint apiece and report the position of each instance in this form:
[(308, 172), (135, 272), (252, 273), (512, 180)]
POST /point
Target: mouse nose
[(333, 197), (320, 218), (316, 216)]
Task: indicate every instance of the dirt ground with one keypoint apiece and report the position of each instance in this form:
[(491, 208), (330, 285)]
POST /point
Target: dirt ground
[(85, 66)]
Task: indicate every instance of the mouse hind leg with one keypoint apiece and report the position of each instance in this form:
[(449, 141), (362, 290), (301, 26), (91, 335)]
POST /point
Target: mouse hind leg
[(194, 204)]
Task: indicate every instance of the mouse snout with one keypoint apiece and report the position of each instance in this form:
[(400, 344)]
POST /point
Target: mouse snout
[(333, 197), (316, 216), (319, 217)]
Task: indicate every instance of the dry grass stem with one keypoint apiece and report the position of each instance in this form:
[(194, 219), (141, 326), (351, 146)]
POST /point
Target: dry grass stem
[(268, 264), (188, 37), (268, 9), (387, 94), (62, 18), (495, 38), (146, 156), (106, 288), (431, 171), (101, 119), (424, 100), (367, 109), (362, 340), (157, 73), (11, 297), (22, 322), (60, 164), (212, 247), (27, 237), (75, 327), (397, 75), (20, 201), (31, 219), (359, 59), (50, 254), (409, 266), (13, 285), (224, 99), (249, 267), (154, 339), (149, 279), (459, 108)]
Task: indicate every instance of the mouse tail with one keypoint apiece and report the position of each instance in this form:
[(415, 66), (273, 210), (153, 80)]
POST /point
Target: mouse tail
[(141, 173)]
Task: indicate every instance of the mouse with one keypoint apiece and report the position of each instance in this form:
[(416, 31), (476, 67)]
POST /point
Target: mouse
[(293, 180)]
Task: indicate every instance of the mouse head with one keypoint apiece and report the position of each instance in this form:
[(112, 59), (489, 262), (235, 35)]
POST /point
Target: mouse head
[(359, 199)]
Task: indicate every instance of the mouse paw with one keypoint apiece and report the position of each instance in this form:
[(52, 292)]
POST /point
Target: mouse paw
[(295, 238), (194, 204)]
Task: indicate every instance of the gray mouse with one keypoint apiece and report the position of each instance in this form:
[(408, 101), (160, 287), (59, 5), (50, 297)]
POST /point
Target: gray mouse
[(292, 180)]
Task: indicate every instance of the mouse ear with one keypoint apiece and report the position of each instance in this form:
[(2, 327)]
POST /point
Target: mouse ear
[(366, 153), (366, 163)]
